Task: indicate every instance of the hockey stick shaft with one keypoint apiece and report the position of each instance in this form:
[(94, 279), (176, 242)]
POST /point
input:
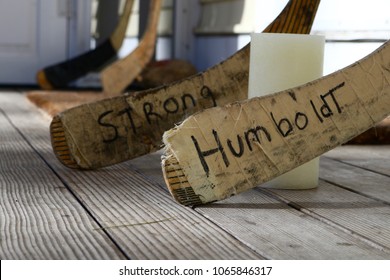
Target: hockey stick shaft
[(61, 74), (117, 76)]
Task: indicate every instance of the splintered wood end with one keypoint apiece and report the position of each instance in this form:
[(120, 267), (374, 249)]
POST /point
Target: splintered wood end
[(60, 144), (177, 182)]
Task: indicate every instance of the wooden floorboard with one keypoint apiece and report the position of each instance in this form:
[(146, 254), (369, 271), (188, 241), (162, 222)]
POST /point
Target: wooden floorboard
[(363, 217), (370, 157), (365, 182), (279, 231), (128, 208), (39, 218), (140, 216)]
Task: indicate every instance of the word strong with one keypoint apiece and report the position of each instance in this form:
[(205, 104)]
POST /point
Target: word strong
[(307, 112), (140, 116)]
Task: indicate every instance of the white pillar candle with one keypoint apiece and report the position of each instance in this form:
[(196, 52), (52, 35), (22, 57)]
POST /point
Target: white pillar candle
[(279, 62)]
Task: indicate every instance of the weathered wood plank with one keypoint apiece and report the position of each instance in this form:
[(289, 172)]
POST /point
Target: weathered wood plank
[(365, 182), (372, 157), (279, 231), (139, 215), (271, 227), (360, 216), (39, 218)]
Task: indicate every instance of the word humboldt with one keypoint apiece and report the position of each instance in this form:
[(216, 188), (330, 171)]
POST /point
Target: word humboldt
[(260, 134), (153, 112)]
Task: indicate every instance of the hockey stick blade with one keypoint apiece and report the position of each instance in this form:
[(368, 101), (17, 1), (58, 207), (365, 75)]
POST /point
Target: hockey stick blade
[(224, 151)]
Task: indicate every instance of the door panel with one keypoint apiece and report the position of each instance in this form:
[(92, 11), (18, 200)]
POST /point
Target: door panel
[(35, 34)]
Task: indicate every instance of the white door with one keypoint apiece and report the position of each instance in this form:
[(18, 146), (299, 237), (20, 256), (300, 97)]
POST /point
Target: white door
[(37, 33)]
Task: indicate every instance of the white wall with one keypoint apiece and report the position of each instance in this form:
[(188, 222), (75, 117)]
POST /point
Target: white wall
[(353, 29)]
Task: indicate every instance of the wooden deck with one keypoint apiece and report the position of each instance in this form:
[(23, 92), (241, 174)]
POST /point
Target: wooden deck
[(48, 211)]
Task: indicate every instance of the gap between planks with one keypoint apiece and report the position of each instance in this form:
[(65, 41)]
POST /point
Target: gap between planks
[(374, 158), (356, 179)]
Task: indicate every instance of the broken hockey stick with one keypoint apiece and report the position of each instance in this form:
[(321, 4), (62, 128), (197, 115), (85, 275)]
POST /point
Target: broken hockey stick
[(61, 74), (113, 130), (116, 77), (226, 150)]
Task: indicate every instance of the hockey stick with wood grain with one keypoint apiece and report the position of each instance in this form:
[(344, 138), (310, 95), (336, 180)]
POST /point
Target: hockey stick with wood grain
[(116, 77), (121, 128), (223, 151), (61, 74)]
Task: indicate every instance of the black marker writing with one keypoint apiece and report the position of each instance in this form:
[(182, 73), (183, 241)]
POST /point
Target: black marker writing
[(151, 114), (255, 132), (203, 154), (108, 125), (325, 110), (261, 135), (128, 113)]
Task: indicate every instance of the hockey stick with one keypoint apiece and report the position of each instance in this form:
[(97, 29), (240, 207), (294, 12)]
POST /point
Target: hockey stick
[(223, 151), (155, 74), (61, 74), (121, 128), (116, 77)]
